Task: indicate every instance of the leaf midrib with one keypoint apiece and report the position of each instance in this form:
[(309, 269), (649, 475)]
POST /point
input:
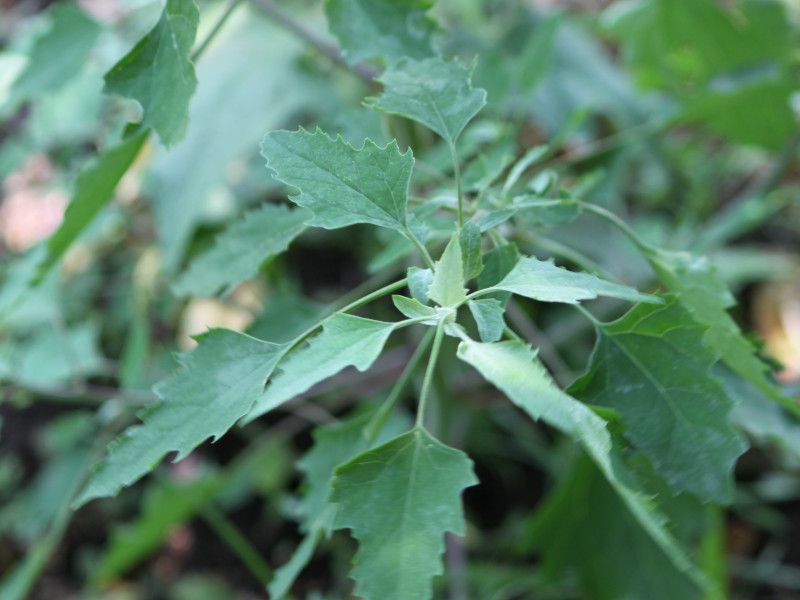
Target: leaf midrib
[(346, 183)]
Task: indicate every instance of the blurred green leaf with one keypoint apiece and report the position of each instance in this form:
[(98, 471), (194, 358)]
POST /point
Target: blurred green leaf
[(385, 29), (59, 54), (240, 250), (435, 92), (94, 188), (158, 72)]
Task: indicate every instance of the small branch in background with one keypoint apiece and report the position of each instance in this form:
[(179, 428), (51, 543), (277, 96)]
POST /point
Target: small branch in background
[(313, 413), (313, 39), (547, 351), (228, 532), (232, 4), (783, 163), (83, 393), (753, 205)]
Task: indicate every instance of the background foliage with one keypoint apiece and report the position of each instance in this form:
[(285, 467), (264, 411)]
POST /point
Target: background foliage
[(444, 154)]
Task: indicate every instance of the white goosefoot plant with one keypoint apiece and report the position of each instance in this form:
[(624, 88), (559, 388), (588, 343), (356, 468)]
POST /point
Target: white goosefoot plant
[(648, 396)]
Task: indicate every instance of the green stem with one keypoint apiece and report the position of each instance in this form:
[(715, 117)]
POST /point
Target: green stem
[(377, 422), (420, 247), (238, 543), (379, 293), (481, 292), (276, 13), (643, 246), (232, 4), (426, 382), (459, 192), (587, 314)]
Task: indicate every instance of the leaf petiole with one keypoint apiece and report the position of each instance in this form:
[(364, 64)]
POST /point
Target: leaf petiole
[(428, 380), (366, 299), (459, 191), (373, 428), (420, 247)]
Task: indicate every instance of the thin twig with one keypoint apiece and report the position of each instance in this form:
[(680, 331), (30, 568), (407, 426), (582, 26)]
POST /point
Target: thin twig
[(232, 4), (313, 39), (547, 351), (84, 393), (784, 161), (228, 532)]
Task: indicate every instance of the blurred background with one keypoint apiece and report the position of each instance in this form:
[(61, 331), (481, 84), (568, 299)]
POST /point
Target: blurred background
[(682, 116)]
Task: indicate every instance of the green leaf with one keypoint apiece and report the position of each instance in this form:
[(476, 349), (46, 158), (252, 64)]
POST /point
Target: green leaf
[(761, 419), (399, 500), (186, 178), (470, 240), (38, 513), (530, 158), (31, 512), (158, 72), (487, 167), (285, 316), (50, 358), (17, 582), (718, 62), (240, 251), (385, 29), (94, 187), (583, 526), (413, 308), (651, 366), (706, 298), (447, 287), (543, 281), (512, 367), (488, 315), (59, 54), (435, 92), (345, 341), (217, 385), (165, 505), (419, 280), (342, 185), (498, 263), (334, 445)]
